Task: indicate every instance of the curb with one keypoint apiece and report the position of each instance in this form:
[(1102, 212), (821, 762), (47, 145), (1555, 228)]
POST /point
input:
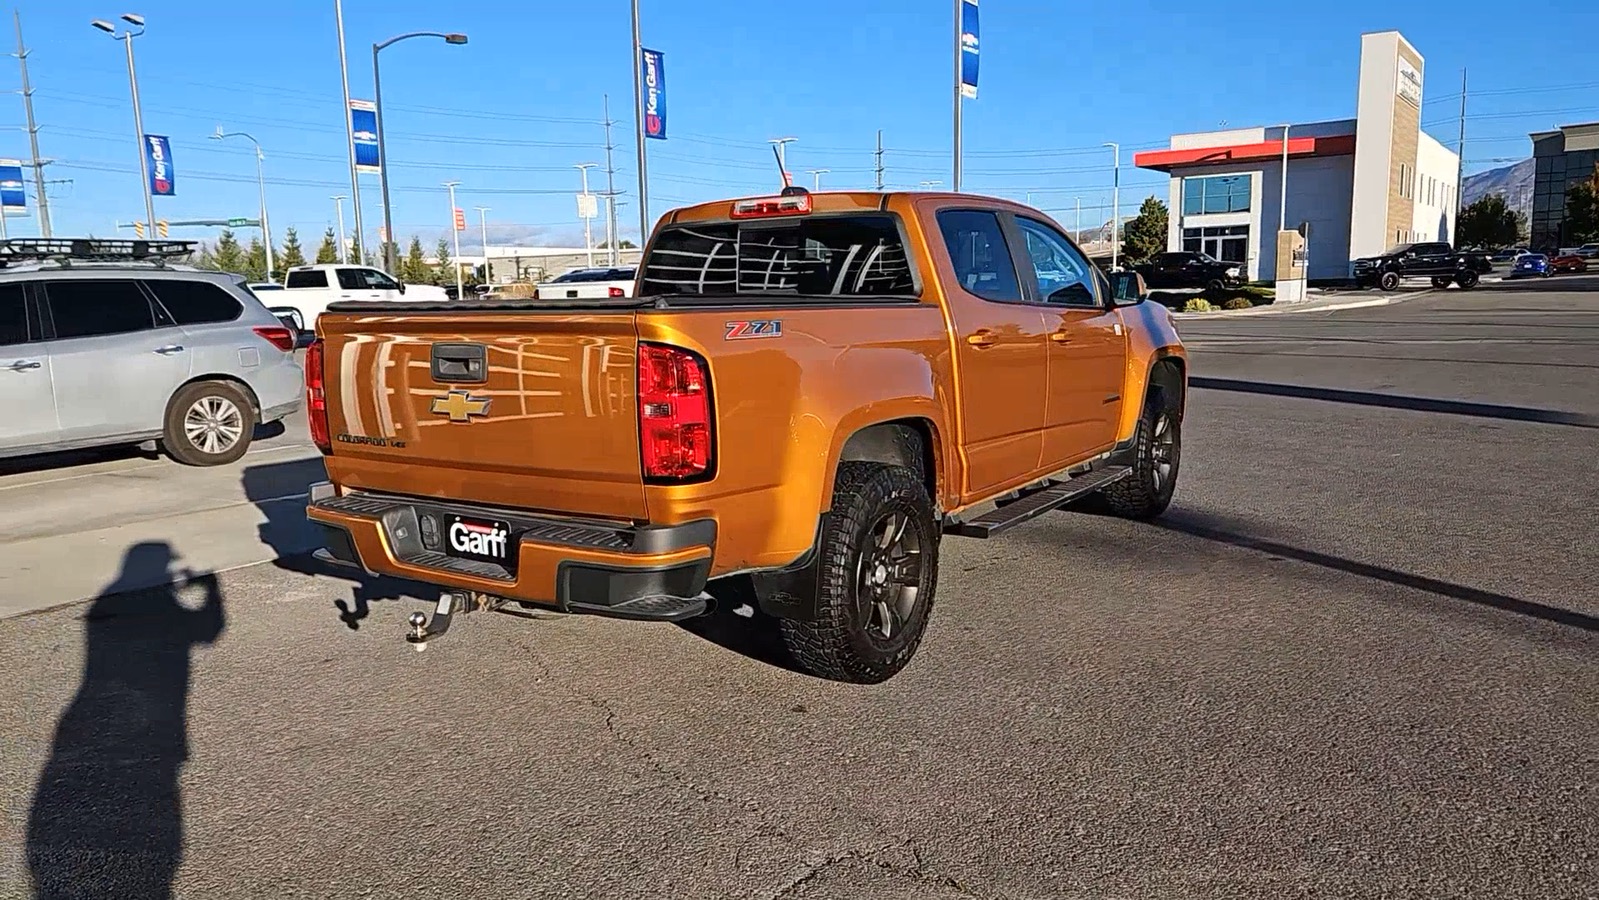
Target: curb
[(1272, 309)]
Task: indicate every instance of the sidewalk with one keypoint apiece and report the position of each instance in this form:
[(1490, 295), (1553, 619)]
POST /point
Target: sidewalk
[(1317, 301)]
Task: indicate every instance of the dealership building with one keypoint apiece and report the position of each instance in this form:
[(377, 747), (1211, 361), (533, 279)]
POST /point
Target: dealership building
[(1355, 187)]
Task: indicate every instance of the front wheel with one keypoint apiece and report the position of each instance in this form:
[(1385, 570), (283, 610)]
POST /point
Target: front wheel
[(1389, 281), (1157, 453), (1466, 279), (209, 423), (877, 562)]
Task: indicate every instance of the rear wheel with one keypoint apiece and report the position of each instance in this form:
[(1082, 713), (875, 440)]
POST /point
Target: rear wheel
[(1389, 281), (209, 423), (1157, 453), (1215, 286), (1467, 279), (877, 564)]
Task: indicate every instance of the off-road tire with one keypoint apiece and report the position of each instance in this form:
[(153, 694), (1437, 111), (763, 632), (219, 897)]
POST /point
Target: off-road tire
[(837, 644), (223, 396), (1215, 286), (1467, 279), (1441, 281), (1141, 495), (1389, 281)]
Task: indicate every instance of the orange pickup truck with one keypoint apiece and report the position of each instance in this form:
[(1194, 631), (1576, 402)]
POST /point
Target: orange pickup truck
[(809, 390)]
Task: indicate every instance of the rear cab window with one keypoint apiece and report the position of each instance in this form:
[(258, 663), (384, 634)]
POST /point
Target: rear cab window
[(979, 254), (310, 278), (826, 256)]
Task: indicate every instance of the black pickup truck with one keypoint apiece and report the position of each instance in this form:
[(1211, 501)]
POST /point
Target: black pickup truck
[(1437, 261)]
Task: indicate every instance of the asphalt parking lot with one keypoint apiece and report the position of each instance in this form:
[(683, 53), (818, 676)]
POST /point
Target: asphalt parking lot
[(1359, 657)]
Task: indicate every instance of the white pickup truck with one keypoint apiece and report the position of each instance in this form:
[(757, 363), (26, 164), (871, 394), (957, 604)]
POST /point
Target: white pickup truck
[(588, 284), (308, 290)]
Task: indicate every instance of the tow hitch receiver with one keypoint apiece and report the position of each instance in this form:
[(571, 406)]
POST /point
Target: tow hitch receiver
[(450, 603)]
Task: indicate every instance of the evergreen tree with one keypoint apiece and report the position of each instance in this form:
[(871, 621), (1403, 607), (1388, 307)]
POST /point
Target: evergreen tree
[(329, 251), (293, 254), (414, 268), (228, 256), (1145, 235), (445, 274), (205, 259), (255, 263)]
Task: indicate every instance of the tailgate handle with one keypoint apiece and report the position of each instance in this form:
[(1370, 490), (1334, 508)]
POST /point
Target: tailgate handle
[(459, 364)]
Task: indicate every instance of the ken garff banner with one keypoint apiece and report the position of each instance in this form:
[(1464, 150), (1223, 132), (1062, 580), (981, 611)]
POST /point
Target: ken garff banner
[(158, 152), (969, 49), (364, 132), (13, 199), (654, 76)]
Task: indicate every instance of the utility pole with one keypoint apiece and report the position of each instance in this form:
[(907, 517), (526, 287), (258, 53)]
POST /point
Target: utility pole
[(610, 188), (879, 159), (338, 202), (33, 133), (456, 261), (583, 210), (1115, 206), (1078, 205), (1460, 162), (483, 222)]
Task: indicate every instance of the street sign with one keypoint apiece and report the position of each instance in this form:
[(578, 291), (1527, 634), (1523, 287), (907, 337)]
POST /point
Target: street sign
[(588, 206), (239, 223), (460, 220)]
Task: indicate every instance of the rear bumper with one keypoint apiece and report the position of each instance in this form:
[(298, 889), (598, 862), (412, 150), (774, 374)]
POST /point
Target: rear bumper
[(573, 565)]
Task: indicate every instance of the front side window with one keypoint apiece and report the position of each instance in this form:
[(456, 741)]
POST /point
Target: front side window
[(1063, 276), (196, 302), (980, 255), (83, 309), (13, 315), (377, 281), (1216, 194)]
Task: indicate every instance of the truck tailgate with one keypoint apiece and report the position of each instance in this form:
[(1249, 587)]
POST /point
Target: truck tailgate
[(546, 419)]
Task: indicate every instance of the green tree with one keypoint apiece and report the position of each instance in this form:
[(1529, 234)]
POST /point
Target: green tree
[(228, 256), (329, 251), (444, 274), (293, 254), (623, 244), (1582, 211), (255, 262), (1489, 222), (1145, 235), (414, 268), (205, 259)]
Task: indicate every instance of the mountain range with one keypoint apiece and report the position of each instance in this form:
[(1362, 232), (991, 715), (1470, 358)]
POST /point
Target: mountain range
[(1513, 181)]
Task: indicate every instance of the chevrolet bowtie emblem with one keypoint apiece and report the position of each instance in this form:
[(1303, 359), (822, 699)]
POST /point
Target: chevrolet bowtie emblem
[(460, 406)]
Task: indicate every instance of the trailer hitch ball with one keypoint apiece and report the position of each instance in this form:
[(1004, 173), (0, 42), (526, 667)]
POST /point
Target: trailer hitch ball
[(419, 623)]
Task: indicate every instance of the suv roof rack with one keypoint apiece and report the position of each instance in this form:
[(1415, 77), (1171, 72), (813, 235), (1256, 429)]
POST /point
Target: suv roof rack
[(66, 251)]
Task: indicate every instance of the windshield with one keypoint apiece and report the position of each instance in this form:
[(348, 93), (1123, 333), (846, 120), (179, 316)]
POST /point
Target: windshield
[(835, 255)]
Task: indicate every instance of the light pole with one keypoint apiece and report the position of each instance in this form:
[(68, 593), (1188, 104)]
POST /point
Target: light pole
[(1077, 204), (126, 38), (782, 156), (583, 210), (1282, 203), (349, 134), (1115, 206), (483, 222), (456, 261), (817, 174), (338, 203), (260, 178), (389, 262), (638, 131)]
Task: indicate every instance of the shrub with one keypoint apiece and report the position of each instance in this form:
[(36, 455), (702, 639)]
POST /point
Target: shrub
[(1238, 303), (1198, 304)]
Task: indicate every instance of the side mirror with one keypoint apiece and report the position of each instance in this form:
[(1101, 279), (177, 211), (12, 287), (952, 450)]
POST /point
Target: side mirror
[(402, 286), (1127, 288)]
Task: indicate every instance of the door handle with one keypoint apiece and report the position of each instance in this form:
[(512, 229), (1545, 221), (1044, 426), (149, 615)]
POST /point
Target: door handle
[(22, 365), (982, 338), (170, 348), (1061, 337)]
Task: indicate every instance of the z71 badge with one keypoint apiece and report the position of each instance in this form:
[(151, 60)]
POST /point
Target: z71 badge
[(759, 328)]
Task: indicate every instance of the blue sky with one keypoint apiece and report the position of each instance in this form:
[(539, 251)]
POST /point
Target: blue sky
[(510, 113)]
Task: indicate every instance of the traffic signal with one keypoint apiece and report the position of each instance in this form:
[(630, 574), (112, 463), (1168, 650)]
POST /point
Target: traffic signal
[(161, 227), (138, 230)]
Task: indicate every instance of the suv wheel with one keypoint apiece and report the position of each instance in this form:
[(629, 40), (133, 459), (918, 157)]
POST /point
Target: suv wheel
[(1157, 453), (209, 423), (877, 565), (1467, 279), (1389, 281)]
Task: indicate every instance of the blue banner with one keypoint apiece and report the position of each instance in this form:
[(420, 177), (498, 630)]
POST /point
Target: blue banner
[(969, 48), (13, 198), (654, 76), (158, 153), (364, 131)]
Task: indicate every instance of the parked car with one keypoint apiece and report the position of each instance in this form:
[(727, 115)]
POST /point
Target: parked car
[(106, 342), (1589, 251), (588, 284), (261, 286), (808, 390), (1569, 262), (1435, 260), (1189, 269), (310, 289), (1530, 264), (1508, 254)]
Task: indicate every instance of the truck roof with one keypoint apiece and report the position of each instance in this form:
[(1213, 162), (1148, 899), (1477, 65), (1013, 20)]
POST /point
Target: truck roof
[(838, 202)]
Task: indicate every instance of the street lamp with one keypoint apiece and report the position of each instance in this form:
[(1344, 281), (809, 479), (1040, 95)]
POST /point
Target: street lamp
[(456, 261), (782, 157), (483, 220), (1115, 206), (126, 38), (338, 203), (1282, 203), (389, 262), (266, 229), (817, 175), (583, 211)]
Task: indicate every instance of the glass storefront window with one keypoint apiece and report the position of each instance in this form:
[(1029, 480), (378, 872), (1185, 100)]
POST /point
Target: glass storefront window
[(1216, 194)]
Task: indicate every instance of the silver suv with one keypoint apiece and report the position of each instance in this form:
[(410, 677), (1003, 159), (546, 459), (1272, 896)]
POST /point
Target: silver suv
[(105, 342)]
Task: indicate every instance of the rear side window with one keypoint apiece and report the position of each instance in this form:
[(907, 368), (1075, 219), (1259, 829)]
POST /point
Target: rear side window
[(980, 255), (94, 308), (811, 256), (314, 278), (13, 315), (195, 302)]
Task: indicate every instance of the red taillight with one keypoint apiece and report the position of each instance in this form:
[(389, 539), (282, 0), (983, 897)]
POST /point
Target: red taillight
[(674, 409), (316, 399), (789, 205), (617, 292), (281, 338)]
